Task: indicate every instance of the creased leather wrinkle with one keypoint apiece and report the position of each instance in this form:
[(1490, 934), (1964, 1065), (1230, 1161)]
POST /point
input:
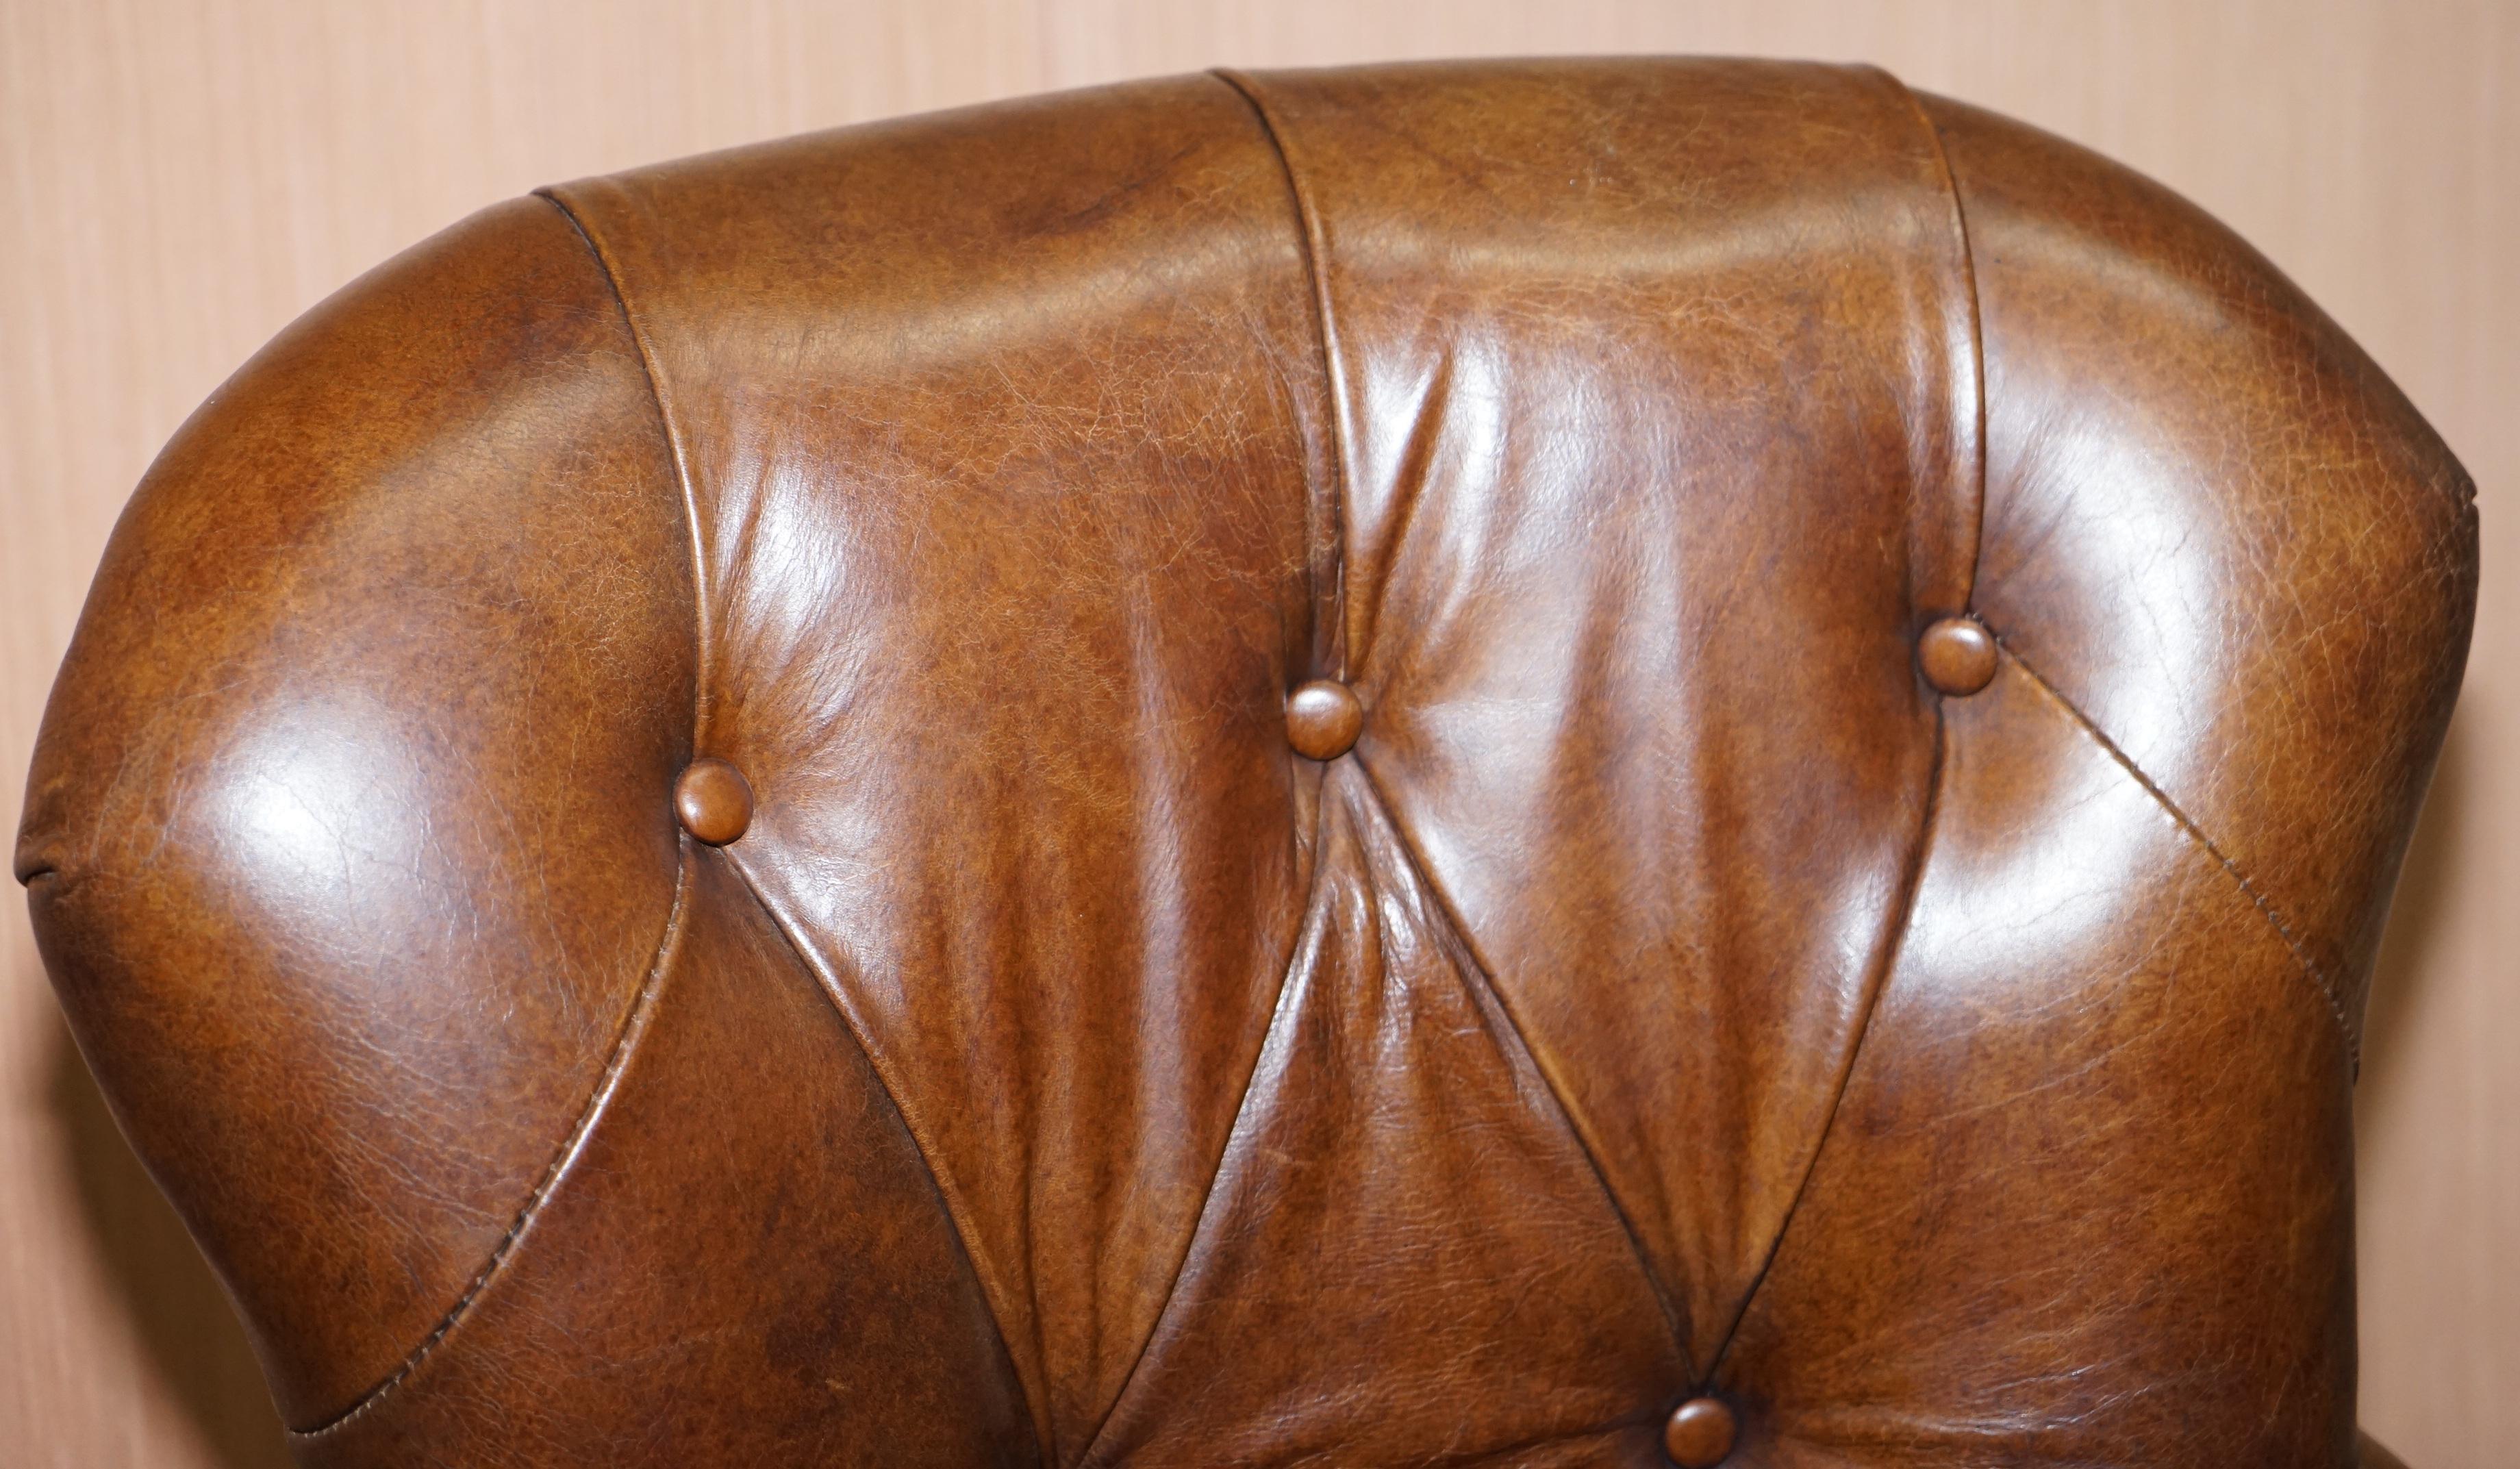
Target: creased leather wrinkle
[(1327, 500), (701, 640), (1208, 1203), (1976, 398), (837, 997), (1885, 963), (1475, 972)]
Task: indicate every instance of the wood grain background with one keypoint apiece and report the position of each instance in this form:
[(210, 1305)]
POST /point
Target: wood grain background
[(179, 178)]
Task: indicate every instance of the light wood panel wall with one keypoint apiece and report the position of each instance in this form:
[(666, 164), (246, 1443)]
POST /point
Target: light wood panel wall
[(180, 178)]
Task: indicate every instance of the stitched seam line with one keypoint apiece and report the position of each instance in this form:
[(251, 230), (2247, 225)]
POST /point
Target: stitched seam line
[(1977, 328), (704, 669), (634, 1028), (1977, 335), (877, 1063), (1503, 1454), (1911, 881), (1326, 327), (1477, 969), (1514, 1455), (1241, 1108), (2301, 956)]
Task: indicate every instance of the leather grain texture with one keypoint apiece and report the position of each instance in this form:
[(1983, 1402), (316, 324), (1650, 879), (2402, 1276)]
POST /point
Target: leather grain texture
[(1628, 975)]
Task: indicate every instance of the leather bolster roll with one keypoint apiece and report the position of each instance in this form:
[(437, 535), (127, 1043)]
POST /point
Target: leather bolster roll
[(348, 825)]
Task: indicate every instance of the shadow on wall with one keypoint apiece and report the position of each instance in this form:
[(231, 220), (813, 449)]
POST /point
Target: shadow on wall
[(2414, 923), (174, 1305)]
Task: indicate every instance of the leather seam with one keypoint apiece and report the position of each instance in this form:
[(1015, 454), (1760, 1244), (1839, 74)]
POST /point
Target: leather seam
[(1509, 1454), (1234, 1130), (1316, 247), (1977, 328), (953, 1210), (1977, 332), (2319, 980), (1876, 984), (1477, 972), (634, 1029), (704, 669), (1502, 1454)]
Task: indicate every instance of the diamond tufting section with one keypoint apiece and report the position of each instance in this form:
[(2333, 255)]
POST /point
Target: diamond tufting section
[(1403, 1193), (1634, 622), (1015, 730), (2141, 1283)]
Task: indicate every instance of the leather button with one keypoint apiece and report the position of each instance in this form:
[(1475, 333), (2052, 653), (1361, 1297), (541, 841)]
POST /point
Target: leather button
[(713, 801), (1699, 1434), (1323, 719), (1958, 654)]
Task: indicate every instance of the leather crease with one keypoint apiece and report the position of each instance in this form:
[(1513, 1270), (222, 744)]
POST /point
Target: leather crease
[(1241, 1108), (1976, 474), (957, 1210), (703, 682), (1476, 965), (954, 1214), (1876, 980), (1334, 376)]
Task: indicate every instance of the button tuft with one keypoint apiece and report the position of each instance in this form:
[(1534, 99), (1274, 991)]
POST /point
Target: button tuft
[(1958, 654), (1699, 1434), (1323, 719), (713, 801)]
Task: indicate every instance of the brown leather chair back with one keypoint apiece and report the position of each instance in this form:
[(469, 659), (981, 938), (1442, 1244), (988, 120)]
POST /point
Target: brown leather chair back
[(1526, 763)]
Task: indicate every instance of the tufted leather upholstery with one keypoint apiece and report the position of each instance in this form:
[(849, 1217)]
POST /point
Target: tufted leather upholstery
[(1672, 988)]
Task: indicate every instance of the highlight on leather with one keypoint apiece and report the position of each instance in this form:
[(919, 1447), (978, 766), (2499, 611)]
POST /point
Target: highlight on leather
[(1568, 763)]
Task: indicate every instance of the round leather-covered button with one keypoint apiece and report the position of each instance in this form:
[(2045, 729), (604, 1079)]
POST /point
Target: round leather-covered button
[(1958, 654), (1699, 1434), (713, 801), (1323, 719)]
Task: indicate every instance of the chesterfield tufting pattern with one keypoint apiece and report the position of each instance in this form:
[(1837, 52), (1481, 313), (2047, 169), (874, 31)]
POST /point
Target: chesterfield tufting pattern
[(1570, 763)]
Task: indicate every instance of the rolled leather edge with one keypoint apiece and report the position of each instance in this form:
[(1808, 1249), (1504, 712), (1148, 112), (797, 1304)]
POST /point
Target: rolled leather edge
[(348, 836), (2216, 529)]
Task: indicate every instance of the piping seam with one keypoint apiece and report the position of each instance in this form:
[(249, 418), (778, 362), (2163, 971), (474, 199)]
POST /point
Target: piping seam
[(1234, 1130), (1477, 968), (1911, 884), (2319, 980), (704, 670), (634, 1028), (1316, 250), (1976, 325), (946, 1195)]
